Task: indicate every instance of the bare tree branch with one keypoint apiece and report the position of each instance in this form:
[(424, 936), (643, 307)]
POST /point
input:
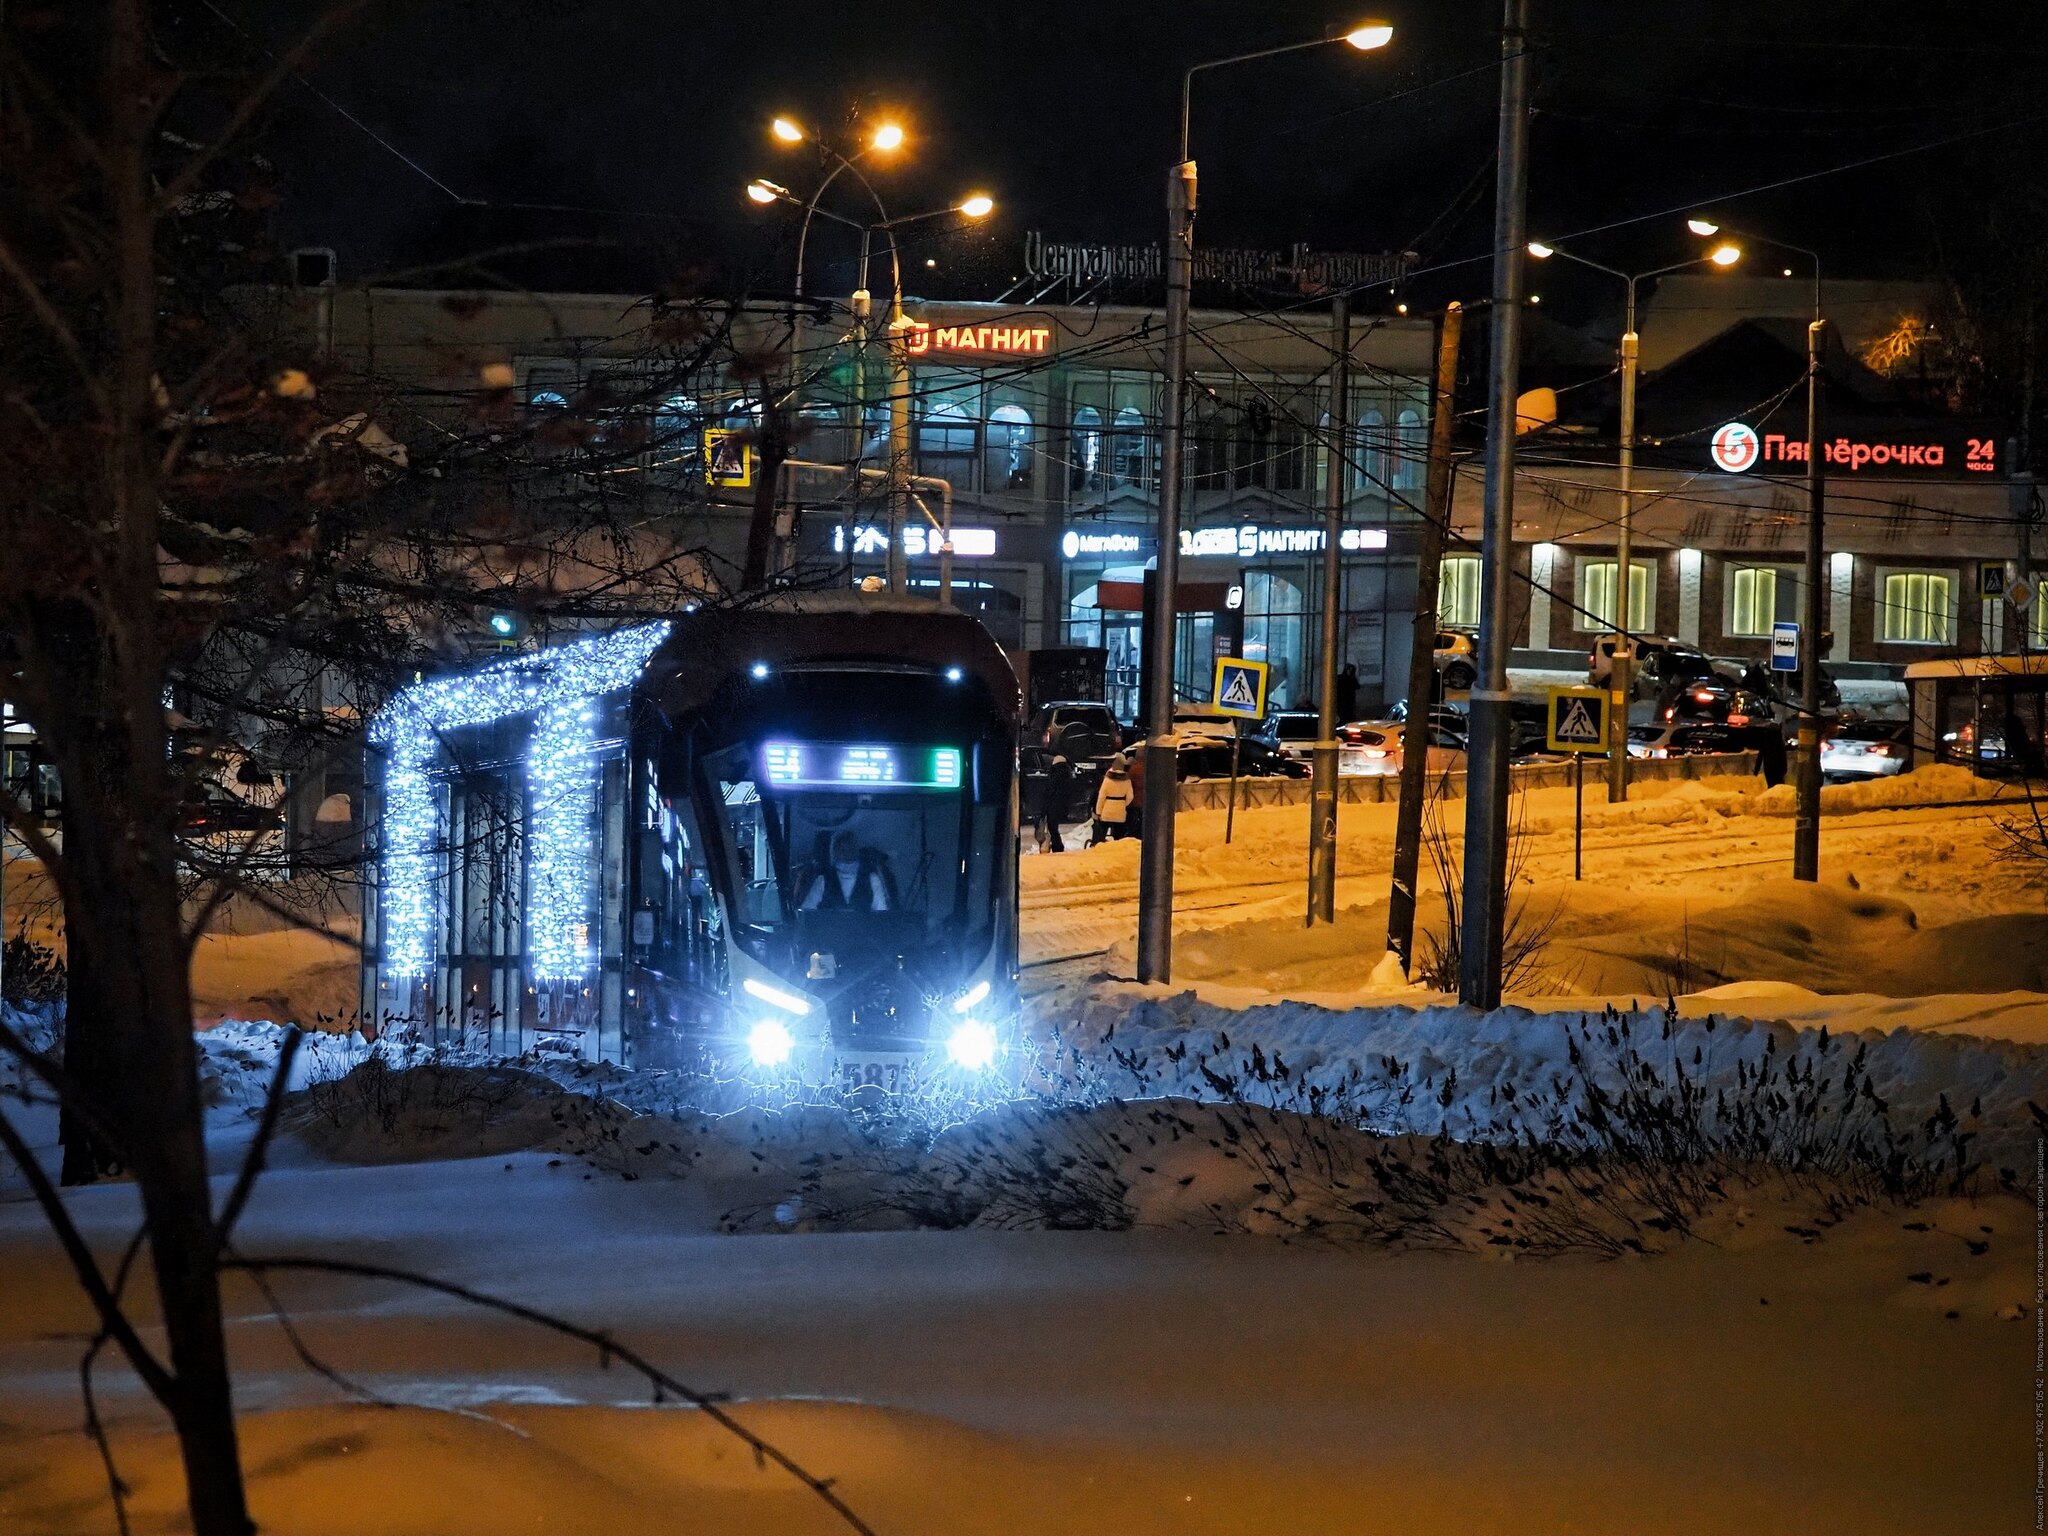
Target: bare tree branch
[(607, 1347), (161, 1383)]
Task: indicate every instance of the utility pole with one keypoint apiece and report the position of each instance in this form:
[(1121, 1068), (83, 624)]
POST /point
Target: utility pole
[(1621, 681), (1806, 768), (1162, 757), (1486, 776), (1322, 795), (1436, 522)]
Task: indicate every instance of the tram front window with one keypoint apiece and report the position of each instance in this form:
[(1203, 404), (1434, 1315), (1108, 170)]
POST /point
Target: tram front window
[(857, 851)]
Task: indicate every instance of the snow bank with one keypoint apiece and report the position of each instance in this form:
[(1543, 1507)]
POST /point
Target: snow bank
[(1462, 1070)]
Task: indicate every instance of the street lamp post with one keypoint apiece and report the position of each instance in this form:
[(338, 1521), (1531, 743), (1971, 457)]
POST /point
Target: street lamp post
[(974, 206), (1806, 755), (1162, 767), (1621, 681)]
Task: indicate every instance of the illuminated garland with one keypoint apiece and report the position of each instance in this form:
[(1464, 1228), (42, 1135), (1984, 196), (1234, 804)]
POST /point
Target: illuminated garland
[(558, 686)]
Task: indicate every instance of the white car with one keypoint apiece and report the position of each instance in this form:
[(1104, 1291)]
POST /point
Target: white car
[(1867, 749)]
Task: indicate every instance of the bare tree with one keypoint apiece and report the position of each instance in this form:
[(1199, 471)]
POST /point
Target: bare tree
[(196, 502)]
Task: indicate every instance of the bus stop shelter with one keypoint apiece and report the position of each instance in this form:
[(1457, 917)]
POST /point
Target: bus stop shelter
[(1983, 712)]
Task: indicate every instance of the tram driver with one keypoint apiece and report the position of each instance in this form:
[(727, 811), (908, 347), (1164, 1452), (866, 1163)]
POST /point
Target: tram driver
[(852, 882)]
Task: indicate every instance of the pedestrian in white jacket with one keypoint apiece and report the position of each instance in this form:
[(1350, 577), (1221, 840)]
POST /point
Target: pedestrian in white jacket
[(1112, 801)]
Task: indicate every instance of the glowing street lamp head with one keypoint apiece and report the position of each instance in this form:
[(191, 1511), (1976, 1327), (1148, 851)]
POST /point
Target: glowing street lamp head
[(887, 137), (763, 192), (787, 131), (1541, 251), (979, 206), (1725, 255), (1703, 227), (1368, 35)]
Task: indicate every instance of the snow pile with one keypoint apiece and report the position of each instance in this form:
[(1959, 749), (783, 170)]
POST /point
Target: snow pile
[(1483, 1074)]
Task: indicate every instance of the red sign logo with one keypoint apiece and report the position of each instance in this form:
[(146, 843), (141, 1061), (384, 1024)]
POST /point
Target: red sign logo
[(1735, 448)]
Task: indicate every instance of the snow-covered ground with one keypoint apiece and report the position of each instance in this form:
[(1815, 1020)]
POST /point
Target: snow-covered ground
[(1847, 1370), (1267, 1328)]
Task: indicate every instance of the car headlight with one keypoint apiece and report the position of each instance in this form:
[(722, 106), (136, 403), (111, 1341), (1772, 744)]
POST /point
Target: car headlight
[(972, 1045), (770, 1043)]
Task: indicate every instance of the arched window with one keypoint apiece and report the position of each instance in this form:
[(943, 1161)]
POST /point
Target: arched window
[(550, 400), (1411, 451), (1371, 453), (1127, 455), (1010, 459), (1084, 471)]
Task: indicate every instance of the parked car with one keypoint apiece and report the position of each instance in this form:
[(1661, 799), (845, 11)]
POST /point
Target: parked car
[(1208, 757), (1659, 662), (1373, 747), (1865, 749), (1669, 738), (1457, 659), (1445, 717), (1079, 727), (1782, 688), (1293, 732), (1727, 695)]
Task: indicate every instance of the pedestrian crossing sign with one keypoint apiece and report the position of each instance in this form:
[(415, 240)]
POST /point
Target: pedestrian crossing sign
[(1576, 720), (1240, 687), (727, 458)]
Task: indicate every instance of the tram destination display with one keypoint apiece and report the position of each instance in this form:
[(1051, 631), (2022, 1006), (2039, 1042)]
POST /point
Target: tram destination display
[(847, 765)]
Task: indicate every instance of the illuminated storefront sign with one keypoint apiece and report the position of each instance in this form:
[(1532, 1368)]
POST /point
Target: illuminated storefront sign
[(1076, 544), (1734, 447), (1296, 267), (919, 541), (1002, 338), (1249, 541), (1940, 449)]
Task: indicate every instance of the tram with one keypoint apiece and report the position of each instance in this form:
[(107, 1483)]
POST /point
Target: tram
[(780, 839)]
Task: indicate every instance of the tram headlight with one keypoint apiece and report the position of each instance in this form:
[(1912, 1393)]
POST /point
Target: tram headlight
[(972, 1045), (770, 1043)]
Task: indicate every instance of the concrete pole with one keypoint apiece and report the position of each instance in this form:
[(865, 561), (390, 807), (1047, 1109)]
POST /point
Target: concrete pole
[(1486, 782), (1621, 684), (1162, 758), (1436, 519), (1806, 764), (1322, 820)]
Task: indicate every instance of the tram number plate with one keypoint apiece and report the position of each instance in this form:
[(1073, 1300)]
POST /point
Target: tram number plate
[(892, 1074)]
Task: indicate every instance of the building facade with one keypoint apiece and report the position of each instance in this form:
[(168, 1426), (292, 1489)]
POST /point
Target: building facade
[(1043, 422)]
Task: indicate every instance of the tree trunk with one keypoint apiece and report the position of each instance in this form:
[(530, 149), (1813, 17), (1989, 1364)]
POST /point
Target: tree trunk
[(130, 920), (88, 1156)]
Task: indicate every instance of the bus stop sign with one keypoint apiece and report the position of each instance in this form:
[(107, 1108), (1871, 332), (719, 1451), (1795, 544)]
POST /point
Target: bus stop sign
[(1784, 647), (1240, 688), (1576, 720)]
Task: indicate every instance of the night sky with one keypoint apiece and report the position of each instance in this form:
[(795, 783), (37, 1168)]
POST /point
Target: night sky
[(654, 116)]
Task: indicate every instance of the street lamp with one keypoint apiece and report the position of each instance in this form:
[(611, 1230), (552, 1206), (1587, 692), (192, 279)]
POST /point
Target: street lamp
[(1155, 869), (1620, 683), (1806, 758), (975, 205)]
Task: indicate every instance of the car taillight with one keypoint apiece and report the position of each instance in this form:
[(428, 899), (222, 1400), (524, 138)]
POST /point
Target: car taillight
[(1703, 695), (1671, 714)]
